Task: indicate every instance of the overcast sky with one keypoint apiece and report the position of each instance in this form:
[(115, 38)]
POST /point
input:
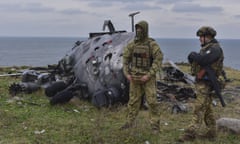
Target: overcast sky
[(76, 18)]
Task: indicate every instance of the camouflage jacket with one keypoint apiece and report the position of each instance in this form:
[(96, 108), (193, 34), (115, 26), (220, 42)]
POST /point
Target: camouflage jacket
[(142, 57), (211, 54)]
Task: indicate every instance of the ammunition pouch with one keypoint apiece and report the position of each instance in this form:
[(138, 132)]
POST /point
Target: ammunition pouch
[(142, 57)]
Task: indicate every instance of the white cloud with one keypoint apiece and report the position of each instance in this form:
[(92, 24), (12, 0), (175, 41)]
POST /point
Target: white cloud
[(167, 18), (196, 8)]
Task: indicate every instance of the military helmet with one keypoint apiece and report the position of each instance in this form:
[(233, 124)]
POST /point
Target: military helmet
[(206, 30)]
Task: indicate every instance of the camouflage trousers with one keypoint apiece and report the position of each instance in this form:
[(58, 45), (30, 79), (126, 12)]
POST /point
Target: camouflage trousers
[(203, 112), (137, 90)]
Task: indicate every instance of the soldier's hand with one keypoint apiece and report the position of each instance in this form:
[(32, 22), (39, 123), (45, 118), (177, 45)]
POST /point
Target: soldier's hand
[(129, 77), (191, 57), (145, 78)]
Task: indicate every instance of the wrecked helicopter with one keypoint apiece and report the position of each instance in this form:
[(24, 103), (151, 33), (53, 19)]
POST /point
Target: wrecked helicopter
[(92, 70)]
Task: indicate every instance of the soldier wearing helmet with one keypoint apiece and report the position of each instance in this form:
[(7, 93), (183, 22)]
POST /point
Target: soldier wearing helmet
[(207, 66), (142, 59), (206, 30)]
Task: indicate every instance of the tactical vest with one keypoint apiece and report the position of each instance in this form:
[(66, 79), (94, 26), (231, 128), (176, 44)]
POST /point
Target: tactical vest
[(141, 56), (216, 66)]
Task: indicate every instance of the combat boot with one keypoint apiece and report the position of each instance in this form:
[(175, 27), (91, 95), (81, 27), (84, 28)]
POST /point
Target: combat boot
[(155, 127), (188, 135), (156, 131), (210, 135)]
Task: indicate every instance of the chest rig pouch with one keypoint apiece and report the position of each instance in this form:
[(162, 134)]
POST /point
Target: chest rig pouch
[(142, 57)]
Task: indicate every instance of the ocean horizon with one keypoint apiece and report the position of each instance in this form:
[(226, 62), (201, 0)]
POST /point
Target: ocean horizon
[(43, 51)]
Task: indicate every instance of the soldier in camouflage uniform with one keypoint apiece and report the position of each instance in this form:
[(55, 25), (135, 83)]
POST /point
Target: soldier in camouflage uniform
[(211, 57), (142, 59)]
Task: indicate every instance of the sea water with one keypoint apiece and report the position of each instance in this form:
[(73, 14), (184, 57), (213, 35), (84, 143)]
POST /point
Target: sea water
[(41, 51)]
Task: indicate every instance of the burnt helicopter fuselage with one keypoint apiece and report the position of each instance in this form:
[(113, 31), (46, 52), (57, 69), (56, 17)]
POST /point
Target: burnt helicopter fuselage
[(97, 66)]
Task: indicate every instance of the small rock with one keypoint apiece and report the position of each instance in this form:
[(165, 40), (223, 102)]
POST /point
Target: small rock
[(229, 125)]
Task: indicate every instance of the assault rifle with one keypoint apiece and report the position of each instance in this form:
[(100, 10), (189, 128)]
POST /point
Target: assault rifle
[(212, 78)]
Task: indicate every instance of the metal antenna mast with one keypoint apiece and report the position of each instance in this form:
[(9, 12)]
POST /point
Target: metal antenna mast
[(132, 18)]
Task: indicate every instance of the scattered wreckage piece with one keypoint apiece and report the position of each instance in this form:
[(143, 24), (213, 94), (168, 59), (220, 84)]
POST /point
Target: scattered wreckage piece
[(180, 91), (171, 88), (174, 73), (175, 87), (26, 87), (31, 81)]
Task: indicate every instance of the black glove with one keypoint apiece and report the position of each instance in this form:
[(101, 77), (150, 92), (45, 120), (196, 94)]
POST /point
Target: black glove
[(191, 57)]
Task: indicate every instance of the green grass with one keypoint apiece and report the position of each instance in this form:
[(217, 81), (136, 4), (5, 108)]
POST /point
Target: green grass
[(30, 119)]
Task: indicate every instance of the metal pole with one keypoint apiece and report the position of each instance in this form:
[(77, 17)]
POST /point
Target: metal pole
[(132, 24), (132, 19)]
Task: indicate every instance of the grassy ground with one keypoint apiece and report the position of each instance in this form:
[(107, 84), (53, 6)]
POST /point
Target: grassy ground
[(30, 119)]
